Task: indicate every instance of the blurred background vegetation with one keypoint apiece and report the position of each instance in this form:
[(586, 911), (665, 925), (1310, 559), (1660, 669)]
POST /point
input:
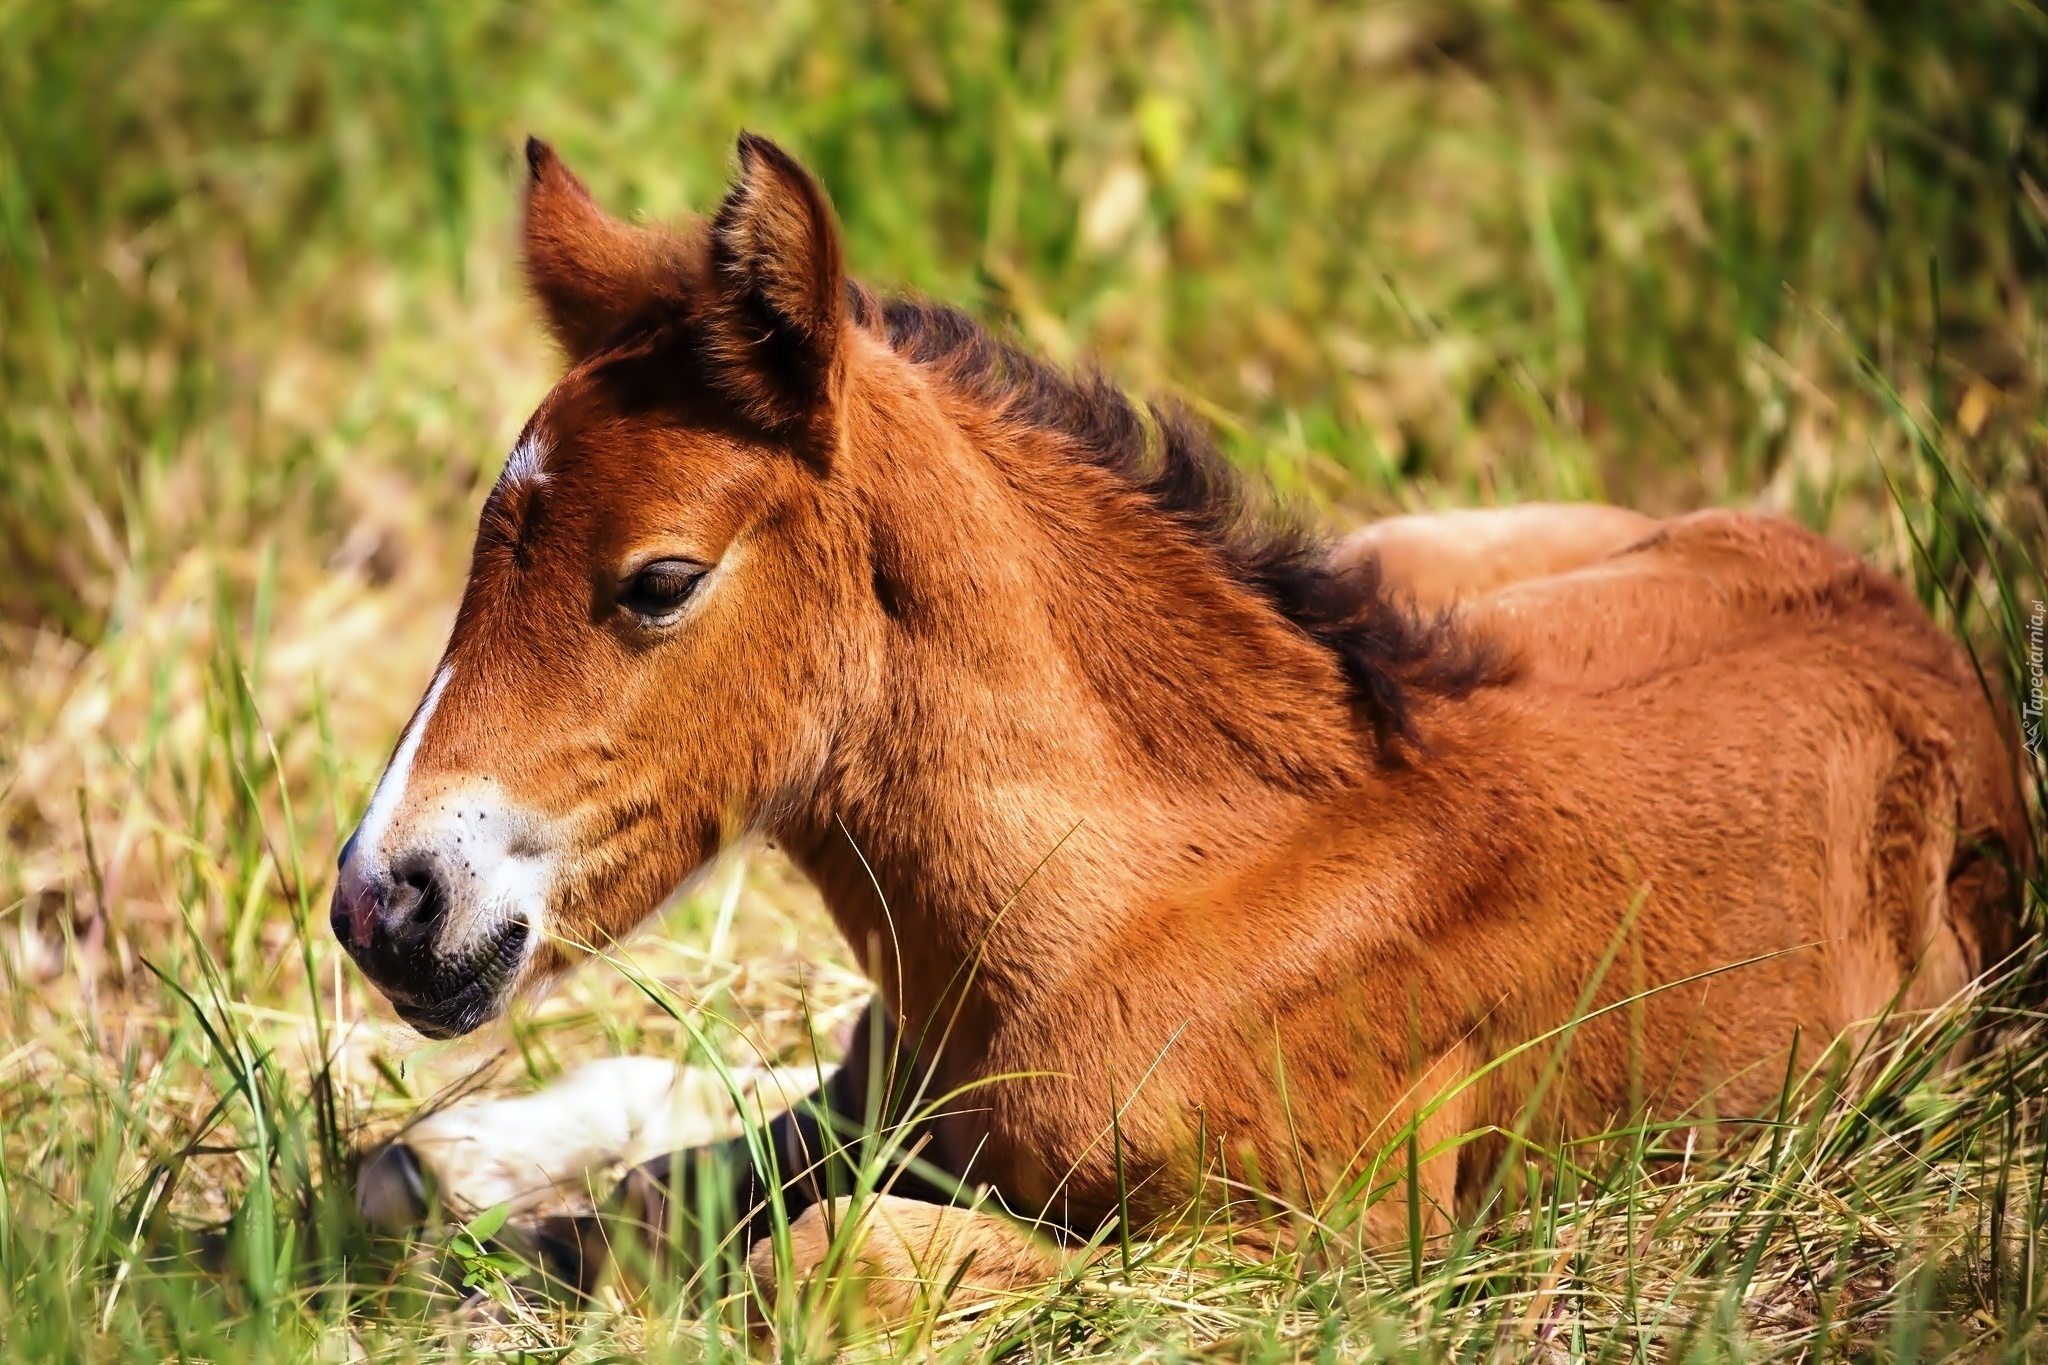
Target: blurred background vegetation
[(263, 347), (1476, 250)]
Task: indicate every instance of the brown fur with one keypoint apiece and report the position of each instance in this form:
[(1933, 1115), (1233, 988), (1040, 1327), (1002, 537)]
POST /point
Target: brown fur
[(1123, 788), (903, 1257)]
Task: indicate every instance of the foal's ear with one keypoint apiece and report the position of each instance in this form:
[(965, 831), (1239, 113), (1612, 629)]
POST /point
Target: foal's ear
[(776, 265), (590, 271)]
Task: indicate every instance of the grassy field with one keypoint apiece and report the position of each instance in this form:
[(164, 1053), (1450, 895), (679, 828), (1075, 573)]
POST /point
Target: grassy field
[(263, 348)]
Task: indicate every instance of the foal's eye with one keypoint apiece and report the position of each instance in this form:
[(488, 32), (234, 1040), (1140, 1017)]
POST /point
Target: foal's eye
[(659, 590)]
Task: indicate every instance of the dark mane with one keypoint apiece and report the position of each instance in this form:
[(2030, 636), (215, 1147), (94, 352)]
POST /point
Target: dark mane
[(1388, 651)]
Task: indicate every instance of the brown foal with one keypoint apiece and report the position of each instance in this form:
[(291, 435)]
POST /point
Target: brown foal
[(1133, 795)]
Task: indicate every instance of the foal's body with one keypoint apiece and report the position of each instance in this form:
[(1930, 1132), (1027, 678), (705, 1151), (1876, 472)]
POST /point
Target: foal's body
[(1727, 735), (1173, 842)]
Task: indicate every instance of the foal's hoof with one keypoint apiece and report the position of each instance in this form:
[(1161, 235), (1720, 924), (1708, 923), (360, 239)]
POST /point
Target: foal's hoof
[(394, 1194), (638, 1208), (570, 1250), (391, 1189)]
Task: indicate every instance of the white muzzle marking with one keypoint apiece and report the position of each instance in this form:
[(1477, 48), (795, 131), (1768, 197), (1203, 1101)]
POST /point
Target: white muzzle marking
[(494, 862)]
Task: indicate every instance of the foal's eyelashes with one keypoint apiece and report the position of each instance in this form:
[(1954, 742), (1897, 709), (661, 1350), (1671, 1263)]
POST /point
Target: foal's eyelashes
[(656, 592)]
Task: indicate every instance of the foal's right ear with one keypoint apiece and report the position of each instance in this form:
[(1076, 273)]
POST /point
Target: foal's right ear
[(777, 321), (590, 271)]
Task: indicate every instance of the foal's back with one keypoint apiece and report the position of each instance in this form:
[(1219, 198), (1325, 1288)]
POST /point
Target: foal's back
[(1800, 775)]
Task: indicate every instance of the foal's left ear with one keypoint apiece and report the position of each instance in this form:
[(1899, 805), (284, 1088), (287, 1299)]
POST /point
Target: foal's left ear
[(591, 272), (779, 326)]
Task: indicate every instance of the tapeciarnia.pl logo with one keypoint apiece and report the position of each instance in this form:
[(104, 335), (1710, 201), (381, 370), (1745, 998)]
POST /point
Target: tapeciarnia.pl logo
[(2037, 681)]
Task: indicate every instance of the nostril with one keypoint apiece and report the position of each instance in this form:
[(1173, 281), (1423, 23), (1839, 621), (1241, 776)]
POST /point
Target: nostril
[(419, 897)]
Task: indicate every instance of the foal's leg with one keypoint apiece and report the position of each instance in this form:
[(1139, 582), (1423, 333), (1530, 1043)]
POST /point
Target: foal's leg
[(1448, 1105), (540, 1154), (893, 1259), (808, 1146), (1439, 558), (897, 1259), (907, 1250)]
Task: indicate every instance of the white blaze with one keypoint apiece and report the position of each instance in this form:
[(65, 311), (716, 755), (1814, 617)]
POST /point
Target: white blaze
[(524, 464), (391, 789), (493, 861)]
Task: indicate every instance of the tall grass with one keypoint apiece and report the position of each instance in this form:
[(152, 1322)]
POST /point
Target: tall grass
[(262, 345)]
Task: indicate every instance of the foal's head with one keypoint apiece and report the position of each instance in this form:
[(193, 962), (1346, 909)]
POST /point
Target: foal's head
[(655, 573), (726, 543)]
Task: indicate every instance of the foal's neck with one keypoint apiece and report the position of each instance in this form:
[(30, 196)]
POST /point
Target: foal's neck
[(1089, 715)]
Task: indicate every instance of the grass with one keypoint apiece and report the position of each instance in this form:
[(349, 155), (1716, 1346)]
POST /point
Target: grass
[(262, 348)]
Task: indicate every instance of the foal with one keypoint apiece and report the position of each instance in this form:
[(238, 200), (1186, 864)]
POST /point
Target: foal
[(1221, 852)]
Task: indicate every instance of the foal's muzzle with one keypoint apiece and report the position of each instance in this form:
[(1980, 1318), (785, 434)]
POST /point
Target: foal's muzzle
[(391, 921)]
